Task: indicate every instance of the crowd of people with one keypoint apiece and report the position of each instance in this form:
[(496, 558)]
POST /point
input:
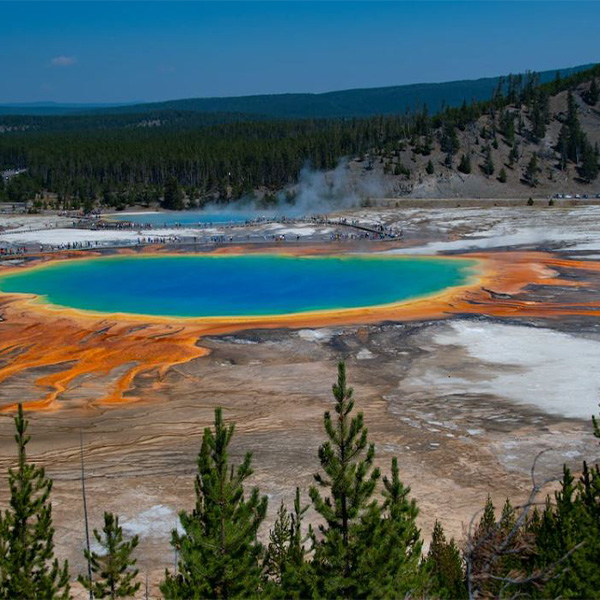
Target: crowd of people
[(12, 250), (344, 230)]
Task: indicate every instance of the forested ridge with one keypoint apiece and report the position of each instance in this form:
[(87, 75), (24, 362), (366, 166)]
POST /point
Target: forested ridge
[(364, 541), (364, 102), (361, 102), (119, 161), (170, 119)]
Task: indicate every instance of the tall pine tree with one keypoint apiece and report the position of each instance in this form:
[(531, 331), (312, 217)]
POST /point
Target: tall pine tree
[(589, 163), (365, 548), (465, 164), (593, 94), (488, 164), (532, 170), (350, 479), (572, 138), (219, 554), (28, 568)]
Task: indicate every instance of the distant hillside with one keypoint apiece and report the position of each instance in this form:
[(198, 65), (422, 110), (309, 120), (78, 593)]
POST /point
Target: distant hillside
[(530, 138), (346, 103), (172, 120), (511, 150), (54, 108), (349, 103)]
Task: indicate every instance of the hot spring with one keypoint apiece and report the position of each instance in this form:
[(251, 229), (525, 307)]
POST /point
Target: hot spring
[(188, 218), (235, 285)]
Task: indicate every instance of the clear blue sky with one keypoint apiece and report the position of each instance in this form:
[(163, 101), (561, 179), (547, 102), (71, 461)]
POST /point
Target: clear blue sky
[(128, 51)]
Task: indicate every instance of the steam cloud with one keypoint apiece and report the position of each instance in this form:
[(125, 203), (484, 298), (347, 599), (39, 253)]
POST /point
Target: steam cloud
[(317, 192), (320, 192)]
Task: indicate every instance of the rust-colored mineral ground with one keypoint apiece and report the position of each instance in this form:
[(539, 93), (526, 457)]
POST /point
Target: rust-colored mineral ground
[(76, 344)]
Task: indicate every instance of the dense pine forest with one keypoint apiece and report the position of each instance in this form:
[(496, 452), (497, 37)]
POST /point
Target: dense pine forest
[(366, 544), (124, 159)]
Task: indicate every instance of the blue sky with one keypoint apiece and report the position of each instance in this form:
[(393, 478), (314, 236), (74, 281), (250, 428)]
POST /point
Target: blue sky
[(129, 51)]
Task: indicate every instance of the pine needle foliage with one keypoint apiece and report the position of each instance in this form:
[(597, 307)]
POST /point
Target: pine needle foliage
[(279, 542), (350, 478), (114, 577), (288, 572), (364, 548), (567, 538), (28, 568), (389, 557), (444, 566), (567, 535), (465, 164), (218, 550)]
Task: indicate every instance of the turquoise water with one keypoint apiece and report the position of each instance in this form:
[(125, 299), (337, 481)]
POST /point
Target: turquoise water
[(235, 285), (189, 218)]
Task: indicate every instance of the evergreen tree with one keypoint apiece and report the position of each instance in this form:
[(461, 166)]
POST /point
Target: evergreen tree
[(289, 574), (114, 577), (502, 175), (539, 115), (172, 197), (532, 170), (219, 553), (28, 568), (513, 155), (488, 164), (350, 478), (388, 563), (593, 93), (444, 566), (400, 169), (449, 142), (557, 82), (426, 147), (276, 558), (429, 168), (556, 536), (366, 549), (507, 127), (571, 139), (567, 536), (589, 163), (492, 551), (465, 164)]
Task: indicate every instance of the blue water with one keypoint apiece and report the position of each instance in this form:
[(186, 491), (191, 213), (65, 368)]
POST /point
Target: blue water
[(234, 285), (189, 218)]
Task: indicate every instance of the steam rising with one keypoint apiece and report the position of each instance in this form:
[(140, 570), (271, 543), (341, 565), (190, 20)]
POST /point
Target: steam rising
[(320, 192), (316, 192)]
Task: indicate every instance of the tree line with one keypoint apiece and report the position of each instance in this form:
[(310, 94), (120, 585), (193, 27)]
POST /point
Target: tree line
[(107, 159), (367, 545)]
